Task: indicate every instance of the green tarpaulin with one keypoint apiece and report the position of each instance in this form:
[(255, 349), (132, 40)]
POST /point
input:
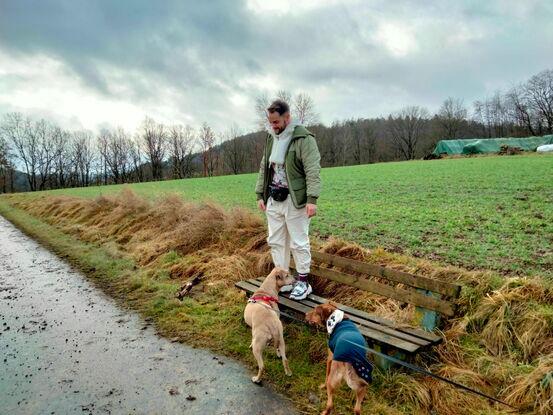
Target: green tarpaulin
[(489, 145)]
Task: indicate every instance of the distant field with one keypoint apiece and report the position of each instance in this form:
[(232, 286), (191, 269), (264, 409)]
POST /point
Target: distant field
[(483, 212)]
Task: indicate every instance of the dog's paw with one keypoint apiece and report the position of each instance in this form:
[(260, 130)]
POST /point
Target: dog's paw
[(256, 380), (288, 373), (322, 386), (278, 353)]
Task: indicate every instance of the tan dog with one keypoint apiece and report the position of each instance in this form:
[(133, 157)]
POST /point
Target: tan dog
[(349, 357), (262, 315)]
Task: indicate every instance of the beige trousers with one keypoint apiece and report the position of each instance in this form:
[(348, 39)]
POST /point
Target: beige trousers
[(288, 231)]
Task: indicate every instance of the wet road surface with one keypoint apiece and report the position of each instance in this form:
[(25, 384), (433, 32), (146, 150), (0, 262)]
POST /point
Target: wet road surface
[(66, 348)]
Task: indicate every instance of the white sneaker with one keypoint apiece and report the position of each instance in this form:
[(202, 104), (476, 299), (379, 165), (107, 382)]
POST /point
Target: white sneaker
[(301, 290), (287, 288)]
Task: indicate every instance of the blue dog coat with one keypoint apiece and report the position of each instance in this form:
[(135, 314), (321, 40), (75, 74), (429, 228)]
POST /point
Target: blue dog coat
[(348, 345)]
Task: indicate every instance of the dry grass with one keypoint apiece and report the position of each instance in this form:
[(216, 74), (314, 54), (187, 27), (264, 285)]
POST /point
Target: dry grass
[(407, 391), (503, 324), (517, 318), (227, 246), (534, 390)]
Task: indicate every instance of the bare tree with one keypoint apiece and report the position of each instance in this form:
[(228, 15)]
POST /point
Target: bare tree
[(83, 156), (285, 95), (234, 151), (502, 120), (256, 144), (103, 145), (262, 102), (207, 139), (114, 151), (17, 130), (482, 116), (4, 151), (154, 136), (63, 162), (303, 109), (6, 166), (452, 115), (182, 142), (352, 136), (45, 135), (333, 145), (520, 110), (361, 141), (217, 160), (121, 144), (406, 128), (493, 113), (540, 97), (137, 159), (112, 156)]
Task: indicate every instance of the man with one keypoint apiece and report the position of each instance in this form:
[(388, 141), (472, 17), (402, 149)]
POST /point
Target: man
[(287, 189)]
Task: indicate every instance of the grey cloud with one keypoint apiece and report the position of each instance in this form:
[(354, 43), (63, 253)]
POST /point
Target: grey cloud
[(202, 50)]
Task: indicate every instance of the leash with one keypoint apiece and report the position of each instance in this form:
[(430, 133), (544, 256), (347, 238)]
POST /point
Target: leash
[(415, 368), (427, 373)]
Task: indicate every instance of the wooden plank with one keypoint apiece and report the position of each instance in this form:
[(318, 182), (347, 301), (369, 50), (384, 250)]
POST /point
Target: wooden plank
[(421, 334), (396, 293), (413, 331), (412, 280), (383, 329), (366, 331), (389, 340), (367, 323), (294, 305)]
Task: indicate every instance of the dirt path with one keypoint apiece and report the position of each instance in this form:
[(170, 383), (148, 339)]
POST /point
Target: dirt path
[(67, 348)]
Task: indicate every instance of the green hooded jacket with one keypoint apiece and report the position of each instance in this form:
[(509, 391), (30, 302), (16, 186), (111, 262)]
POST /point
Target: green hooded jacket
[(302, 165)]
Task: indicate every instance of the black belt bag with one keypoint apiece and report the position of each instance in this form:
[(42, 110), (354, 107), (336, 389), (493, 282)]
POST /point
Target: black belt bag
[(278, 194)]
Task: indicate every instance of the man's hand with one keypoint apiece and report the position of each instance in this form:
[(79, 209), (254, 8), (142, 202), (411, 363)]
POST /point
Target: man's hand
[(261, 205), (311, 210)]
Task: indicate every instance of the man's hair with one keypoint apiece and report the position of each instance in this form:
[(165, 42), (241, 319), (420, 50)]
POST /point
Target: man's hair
[(279, 106)]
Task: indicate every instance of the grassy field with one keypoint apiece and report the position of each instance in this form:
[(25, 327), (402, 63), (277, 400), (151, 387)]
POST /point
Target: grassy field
[(480, 213), (484, 213)]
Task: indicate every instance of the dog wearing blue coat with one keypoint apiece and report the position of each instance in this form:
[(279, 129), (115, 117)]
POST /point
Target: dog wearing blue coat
[(347, 358)]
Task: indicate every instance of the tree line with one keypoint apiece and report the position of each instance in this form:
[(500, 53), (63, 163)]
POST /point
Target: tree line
[(39, 155)]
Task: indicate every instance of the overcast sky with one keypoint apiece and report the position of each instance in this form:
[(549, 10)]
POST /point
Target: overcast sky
[(88, 64)]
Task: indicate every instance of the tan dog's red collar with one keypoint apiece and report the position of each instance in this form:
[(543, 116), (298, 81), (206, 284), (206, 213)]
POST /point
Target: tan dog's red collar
[(260, 297)]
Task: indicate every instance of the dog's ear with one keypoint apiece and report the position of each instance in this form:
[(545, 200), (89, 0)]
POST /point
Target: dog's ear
[(327, 309), (322, 314)]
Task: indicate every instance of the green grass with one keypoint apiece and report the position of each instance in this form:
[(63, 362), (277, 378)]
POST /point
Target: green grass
[(482, 212), (477, 212)]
